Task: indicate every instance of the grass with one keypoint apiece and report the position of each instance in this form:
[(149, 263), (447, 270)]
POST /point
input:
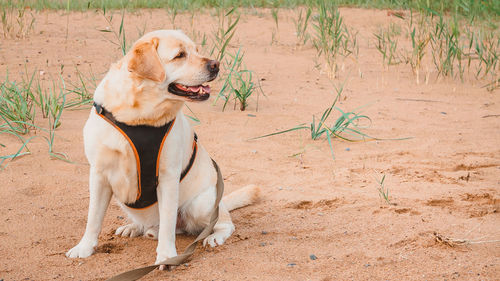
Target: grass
[(487, 50), (445, 47), (472, 9), (54, 122), (346, 127), (17, 21), (456, 46), (238, 82), (331, 37), (120, 38), (173, 11), (387, 45), (275, 33), (455, 242), (243, 87), (83, 89), (383, 191), (301, 25), (50, 102), (19, 103), (16, 106), (226, 28), (419, 35)]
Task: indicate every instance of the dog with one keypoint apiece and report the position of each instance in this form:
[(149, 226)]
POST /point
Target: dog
[(147, 88)]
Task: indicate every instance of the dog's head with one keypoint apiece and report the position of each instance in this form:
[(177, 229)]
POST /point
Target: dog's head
[(170, 60)]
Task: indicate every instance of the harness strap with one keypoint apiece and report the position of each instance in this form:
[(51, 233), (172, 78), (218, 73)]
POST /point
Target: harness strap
[(146, 143), (193, 157), (137, 273)]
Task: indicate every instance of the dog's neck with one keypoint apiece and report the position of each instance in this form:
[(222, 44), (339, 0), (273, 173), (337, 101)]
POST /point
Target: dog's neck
[(135, 101)]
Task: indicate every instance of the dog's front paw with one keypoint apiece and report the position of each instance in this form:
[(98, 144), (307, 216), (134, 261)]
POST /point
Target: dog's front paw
[(82, 250), (129, 230), (164, 266)]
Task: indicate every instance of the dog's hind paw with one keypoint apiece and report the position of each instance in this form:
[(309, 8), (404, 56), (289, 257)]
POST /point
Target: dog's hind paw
[(129, 230), (82, 250), (222, 231), (152, 233), (215, 239)]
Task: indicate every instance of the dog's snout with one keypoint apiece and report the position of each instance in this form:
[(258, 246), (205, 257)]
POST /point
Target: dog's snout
[(213, 66)]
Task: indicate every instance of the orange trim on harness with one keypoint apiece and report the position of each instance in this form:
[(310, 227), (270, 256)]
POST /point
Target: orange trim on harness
[(137, 161)]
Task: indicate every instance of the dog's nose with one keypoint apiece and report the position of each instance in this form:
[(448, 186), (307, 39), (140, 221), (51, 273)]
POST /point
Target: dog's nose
[(213, 66)]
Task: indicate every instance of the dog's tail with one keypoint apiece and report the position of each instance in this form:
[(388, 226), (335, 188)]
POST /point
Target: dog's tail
[(242, 197)]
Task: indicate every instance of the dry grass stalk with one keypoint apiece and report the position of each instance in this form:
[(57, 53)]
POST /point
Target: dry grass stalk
[(453, 242)]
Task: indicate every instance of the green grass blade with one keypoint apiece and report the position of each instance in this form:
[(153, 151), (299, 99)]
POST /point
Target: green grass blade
[(299, 127)]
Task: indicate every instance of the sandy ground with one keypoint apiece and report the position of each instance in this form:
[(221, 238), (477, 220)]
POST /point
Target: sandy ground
[(444, 180)]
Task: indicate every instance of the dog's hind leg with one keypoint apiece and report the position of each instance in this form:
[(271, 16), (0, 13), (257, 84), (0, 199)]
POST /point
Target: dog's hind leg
[(236, 199), (222, 229), (196, 215)]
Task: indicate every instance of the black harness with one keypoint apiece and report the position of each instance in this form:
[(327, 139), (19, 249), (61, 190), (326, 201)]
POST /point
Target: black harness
[(146, 143)]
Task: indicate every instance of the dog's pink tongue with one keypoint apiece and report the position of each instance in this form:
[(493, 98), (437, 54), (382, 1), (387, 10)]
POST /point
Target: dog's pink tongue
[(197, 89), (194, 89)]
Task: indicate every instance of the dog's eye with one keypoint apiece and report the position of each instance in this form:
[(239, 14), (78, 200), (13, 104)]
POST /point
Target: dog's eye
[(180, 55)]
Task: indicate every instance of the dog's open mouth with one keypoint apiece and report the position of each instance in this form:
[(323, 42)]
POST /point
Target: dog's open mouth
[(195, 93)]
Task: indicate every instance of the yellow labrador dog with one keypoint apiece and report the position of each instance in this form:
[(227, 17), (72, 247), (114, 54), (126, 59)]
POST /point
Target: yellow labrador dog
[(147, 89)]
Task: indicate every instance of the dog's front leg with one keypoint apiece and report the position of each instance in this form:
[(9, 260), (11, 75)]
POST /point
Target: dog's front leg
[(168, 201), (100, 195)]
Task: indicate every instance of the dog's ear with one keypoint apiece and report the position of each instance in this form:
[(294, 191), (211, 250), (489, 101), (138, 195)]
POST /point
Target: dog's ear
[(145, 61)]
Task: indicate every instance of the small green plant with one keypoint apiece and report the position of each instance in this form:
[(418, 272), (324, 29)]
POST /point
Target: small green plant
[(49, 101), (301, 24), (487, 49), (274, 14), (226, 29), (17, 112), (383, 191), (387, 45), (16, 23), (120, 38), (419, 36), (351, 46), (16, 106), (346, 127), (243, 87), (173, 11), (446, 49), (331, 37), (238, 82), (83, 89), (54, 122), (275, 33)]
